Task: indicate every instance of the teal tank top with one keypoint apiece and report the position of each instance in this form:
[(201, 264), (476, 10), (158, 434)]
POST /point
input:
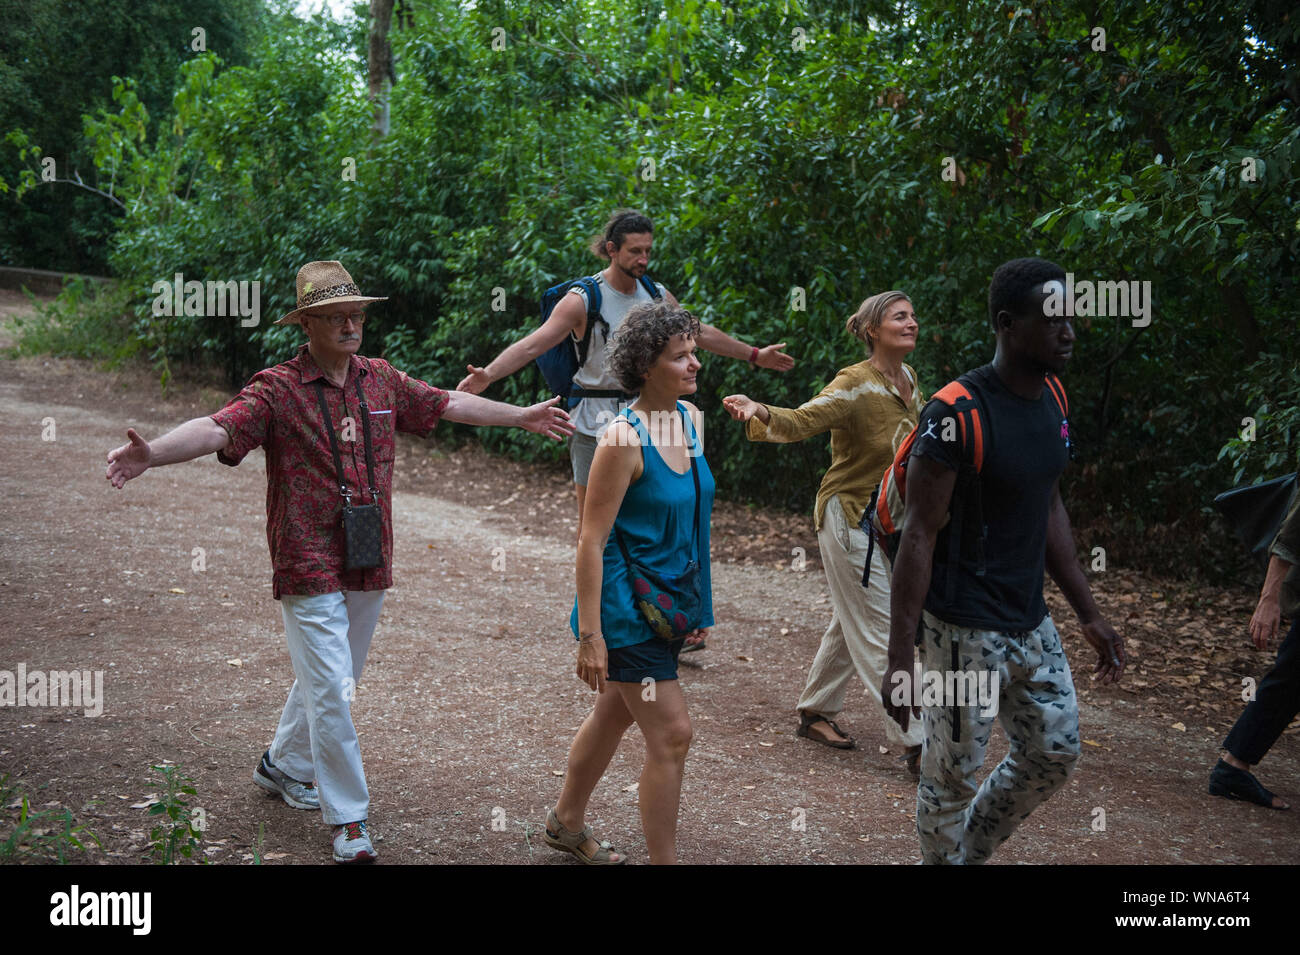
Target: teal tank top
[(658, 525)]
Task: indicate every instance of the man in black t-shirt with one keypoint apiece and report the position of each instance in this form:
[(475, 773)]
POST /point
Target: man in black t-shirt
[(988, 645)]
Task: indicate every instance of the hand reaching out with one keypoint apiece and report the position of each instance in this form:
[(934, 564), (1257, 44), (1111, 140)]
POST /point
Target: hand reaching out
[(129, 461), (475, 382), (545, 418), (772, 357), (742, 408)]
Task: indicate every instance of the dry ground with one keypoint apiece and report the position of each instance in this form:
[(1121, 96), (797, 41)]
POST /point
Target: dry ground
[(469, 701)]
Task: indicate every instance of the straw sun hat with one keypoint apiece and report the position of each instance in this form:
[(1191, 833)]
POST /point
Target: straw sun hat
[(324, 283)]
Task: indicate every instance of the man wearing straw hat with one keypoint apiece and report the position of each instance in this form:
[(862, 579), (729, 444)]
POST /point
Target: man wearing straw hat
[(327, 419)]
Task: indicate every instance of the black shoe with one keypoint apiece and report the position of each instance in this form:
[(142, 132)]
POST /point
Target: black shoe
[(1233, 783)]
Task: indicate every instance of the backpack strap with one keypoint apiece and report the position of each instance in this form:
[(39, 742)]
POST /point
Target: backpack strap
[(648, 284), (591, 288), (967, 505)]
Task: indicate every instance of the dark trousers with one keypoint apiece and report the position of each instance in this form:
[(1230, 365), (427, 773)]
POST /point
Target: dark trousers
[(1276, 703)]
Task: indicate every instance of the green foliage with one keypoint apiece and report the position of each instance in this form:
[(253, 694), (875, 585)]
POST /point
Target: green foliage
[(47, 836), (86, 320), (802, 144), (1266, 447), (176, 833), (58, 62)]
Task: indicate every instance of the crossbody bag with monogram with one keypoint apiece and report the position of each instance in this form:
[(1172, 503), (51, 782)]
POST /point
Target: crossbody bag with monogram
[(363, 525)]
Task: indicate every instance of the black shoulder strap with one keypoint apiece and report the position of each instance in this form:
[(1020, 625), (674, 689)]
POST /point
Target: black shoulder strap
[(334, 444)]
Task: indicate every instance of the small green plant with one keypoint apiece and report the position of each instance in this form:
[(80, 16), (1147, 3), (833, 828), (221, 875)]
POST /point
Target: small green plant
[(49, 836), (87, 320), (176, 832), (257, 846)]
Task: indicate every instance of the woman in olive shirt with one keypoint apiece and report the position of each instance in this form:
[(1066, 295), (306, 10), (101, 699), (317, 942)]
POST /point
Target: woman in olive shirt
[(869, 409)]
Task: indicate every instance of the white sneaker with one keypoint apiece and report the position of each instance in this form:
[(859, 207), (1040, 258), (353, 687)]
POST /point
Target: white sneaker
[(352, 843), (296, 794)]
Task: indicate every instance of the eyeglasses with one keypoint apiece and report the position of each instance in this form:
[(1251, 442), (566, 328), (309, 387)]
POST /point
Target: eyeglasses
[(337, 319)]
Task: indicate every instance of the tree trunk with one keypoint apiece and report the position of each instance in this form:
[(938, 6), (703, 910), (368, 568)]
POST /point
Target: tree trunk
[(380, 56), (1239, 310)]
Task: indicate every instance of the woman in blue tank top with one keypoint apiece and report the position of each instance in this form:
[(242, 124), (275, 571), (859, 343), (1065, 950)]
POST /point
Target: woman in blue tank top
[(651, 487)]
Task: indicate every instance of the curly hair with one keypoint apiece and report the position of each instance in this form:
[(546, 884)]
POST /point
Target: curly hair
[(642, 338), (1013, 282)]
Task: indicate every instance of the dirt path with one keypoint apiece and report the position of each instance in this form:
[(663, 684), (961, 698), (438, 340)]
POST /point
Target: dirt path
[(469, 702)]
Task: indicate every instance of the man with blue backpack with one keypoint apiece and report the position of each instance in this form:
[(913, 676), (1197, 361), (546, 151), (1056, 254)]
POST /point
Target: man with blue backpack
[(982, 520), (580, 320)]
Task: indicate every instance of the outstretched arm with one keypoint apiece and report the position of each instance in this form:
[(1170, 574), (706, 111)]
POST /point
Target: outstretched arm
[(542, 418), (570, 315), (720, 343), (1064, 567), (193, 439)]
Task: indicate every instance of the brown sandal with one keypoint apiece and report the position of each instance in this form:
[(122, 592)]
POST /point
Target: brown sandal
[(557, 837), (808, 719)]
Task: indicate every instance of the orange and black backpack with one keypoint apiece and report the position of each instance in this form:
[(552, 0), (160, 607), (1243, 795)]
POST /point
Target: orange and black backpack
[(883, 520)]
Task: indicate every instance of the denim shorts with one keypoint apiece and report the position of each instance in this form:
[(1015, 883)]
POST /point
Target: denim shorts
[(655, 658)]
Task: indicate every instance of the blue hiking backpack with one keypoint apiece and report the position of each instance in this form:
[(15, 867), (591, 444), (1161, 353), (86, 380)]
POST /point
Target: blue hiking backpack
[(561, 362)]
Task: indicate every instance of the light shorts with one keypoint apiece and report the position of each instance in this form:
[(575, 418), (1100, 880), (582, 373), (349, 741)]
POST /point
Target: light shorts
[(582, 448)]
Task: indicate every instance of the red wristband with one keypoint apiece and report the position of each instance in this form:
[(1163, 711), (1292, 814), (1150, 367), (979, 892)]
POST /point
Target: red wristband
[(753, 356)]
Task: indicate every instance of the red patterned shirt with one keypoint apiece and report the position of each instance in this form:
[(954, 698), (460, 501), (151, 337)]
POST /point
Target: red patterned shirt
[(279, 411)]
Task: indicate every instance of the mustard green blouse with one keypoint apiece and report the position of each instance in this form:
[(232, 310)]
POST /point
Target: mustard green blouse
[(867, 419)]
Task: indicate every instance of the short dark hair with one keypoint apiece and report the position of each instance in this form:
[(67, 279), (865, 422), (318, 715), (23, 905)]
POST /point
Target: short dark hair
[(642, 338), (621, 223), (1014, 281)]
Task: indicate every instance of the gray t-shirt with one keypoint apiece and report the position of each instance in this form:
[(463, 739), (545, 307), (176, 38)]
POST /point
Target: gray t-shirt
[(593, 414)]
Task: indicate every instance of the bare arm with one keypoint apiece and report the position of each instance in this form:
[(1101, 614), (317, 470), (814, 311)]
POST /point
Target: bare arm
[(542, 418), (193, 439), (929, 493), (1265, 621), (720, 343), (569, 316), (615, 465), (1064, 567)]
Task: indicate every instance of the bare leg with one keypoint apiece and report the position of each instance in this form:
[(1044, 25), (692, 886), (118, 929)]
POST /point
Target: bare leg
[(666, 727), (592, 749)]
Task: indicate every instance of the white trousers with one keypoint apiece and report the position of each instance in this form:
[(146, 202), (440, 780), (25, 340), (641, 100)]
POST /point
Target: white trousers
[(857, 639), (328, 635)]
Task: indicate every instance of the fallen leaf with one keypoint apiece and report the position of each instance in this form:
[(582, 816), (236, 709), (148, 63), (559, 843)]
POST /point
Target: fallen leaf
[(883, 749), (557, 772), (767, 744), (236, 662), (746, 787), (784, 631), (176, 590), (1088, 742), (746, 659), (149, 800), (631, 788), (1180, 727), (274, 855)]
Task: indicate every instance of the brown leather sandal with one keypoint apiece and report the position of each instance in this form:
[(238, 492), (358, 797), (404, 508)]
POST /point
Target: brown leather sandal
[(557, 837), (808, 719)]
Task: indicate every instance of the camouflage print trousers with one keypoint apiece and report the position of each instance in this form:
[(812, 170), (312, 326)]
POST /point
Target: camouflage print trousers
[(1038, 710)]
